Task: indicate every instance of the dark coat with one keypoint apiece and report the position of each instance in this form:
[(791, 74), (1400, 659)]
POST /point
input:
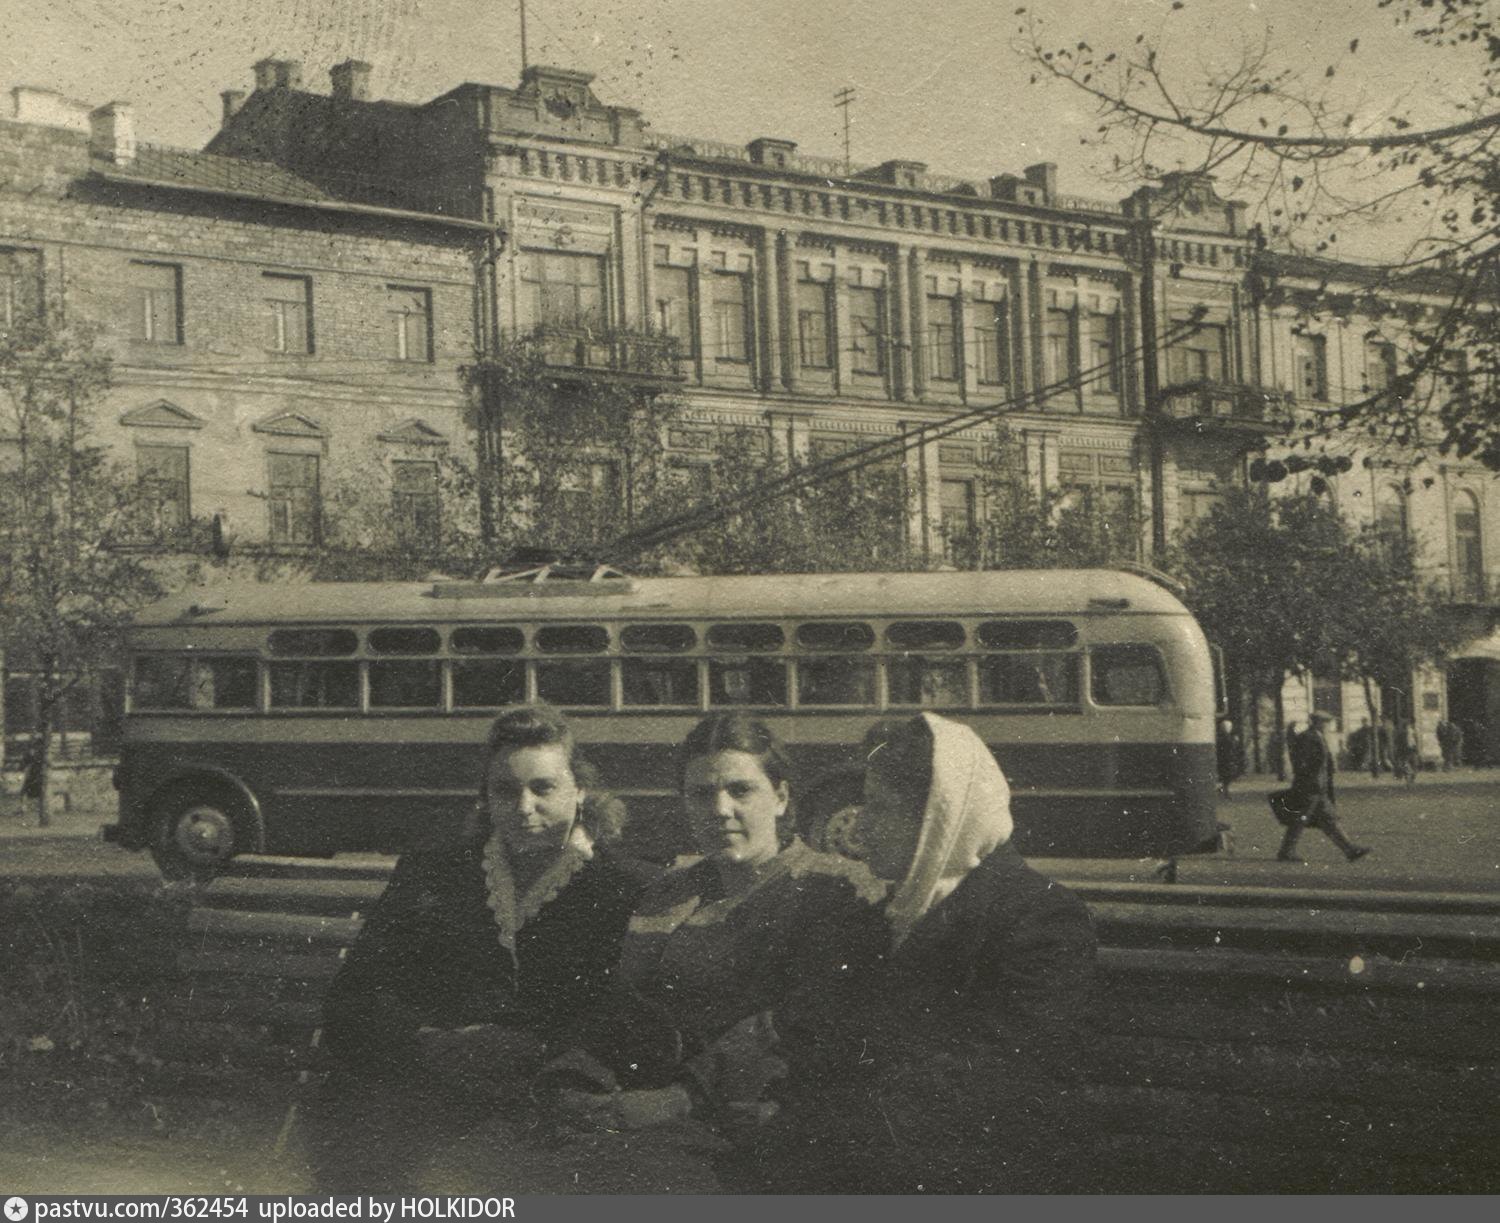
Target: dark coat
[(943, 1065), (430, 955), (1312, 768)]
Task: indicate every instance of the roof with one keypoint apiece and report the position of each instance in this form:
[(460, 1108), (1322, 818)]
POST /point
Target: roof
[(998, 592), (157, 164), (246, 178)]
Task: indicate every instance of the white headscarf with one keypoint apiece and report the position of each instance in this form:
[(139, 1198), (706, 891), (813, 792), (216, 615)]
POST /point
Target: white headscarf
[(967, 816)]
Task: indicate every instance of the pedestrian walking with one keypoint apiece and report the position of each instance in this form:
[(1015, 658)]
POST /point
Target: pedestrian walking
[(1407, 758), (1382, 762), (1310, 800), (1444, 732), (1229, 753)]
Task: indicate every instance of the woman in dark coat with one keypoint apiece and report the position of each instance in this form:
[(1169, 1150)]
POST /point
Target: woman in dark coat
[(940, 1070), (475, 957)]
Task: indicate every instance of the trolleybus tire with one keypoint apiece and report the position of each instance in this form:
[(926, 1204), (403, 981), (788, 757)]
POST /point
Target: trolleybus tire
[(194, 833)]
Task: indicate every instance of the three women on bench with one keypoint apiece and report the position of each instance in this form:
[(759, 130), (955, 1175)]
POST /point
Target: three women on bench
[(772, 990)]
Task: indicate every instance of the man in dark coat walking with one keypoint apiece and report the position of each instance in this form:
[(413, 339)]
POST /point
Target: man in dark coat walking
[(1312, 791)]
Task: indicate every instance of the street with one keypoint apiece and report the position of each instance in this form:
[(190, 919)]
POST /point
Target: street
[(1440, 834)]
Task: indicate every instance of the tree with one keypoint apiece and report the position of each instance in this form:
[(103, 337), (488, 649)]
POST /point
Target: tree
[(849, 521), (1019, 528), (1285, 586), (69, 517), (570, 453), (1300, 143)]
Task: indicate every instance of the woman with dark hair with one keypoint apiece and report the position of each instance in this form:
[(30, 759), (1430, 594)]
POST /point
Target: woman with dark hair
[(478, 953), (716, 946), (939, 1070)]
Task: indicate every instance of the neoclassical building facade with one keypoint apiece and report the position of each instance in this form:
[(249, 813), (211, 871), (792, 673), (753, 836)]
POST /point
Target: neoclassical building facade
[(1140, 352)]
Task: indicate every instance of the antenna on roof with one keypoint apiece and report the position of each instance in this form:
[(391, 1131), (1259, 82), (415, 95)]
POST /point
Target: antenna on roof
[(524, 62), (844, 99)]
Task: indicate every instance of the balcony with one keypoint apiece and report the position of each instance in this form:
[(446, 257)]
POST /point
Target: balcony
[(647, 358), (1203, 406)]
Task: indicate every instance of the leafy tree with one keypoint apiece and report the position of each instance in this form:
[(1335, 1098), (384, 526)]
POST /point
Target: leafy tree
[(69, 575), (570, 455), (850, 521), (1284, 585), (1019, 528), (1302, 145)]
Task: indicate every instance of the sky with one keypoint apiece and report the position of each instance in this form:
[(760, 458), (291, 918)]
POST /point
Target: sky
[(938, 82)]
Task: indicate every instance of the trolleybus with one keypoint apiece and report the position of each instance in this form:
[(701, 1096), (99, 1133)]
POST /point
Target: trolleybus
[(327, 717)]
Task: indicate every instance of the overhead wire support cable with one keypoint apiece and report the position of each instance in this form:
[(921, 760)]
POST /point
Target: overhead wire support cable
[(702, 515)]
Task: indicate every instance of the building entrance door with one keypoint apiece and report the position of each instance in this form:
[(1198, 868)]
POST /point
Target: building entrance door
[(1473, 703)]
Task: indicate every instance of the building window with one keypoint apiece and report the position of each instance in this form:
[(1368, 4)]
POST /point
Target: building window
[(1390, 512), (591, 493), (414, 503), (674, 306), (1199, 357), (162, 472), (812, 325), (942, 338), (1196, 504), (993, 339), (1310, 364), (957, 504), (19, 286), (1104, 354), (566, 290), (1380, 366), (288, 312), (156, 303), (867, 322), (1468, 546), (409, 323), (1060, 347), (731, 316), (294, 502), (1328, 693)]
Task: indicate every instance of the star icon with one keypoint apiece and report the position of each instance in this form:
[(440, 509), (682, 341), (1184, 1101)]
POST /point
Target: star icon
[(16, 1209)]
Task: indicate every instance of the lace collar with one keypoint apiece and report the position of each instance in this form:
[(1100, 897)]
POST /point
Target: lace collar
[(512, 911)]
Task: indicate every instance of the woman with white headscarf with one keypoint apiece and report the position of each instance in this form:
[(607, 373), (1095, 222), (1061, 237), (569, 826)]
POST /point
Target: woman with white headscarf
[(937, 1072)]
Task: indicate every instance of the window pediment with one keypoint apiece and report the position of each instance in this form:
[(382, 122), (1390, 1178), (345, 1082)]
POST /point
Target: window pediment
[(290, 424), (413, 432), (162, 414)]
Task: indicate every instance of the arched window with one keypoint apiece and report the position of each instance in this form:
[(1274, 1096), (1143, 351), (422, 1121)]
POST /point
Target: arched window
[(1390, 511), (1468, 550)]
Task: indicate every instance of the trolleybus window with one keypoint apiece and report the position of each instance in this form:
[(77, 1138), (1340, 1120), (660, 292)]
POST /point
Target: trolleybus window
[(315, 685), (1126, 675), (738, 680), (746, 638), (659, 638), (574, 682), (487, 683), (836, 680), (1028, 679), (1027, 634), (572, 639), (501, 640), (922, 679), (313, 642), (405, 683), (171, 681)]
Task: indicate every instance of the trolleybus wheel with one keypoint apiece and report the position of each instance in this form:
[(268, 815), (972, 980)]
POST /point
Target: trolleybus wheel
[(195, 836)]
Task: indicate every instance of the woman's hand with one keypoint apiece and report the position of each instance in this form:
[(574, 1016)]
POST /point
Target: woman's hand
[(738, 1067), (483, 1059), (623, 1110)]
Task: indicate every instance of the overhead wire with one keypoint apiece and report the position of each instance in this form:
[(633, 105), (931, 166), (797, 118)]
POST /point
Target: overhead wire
[(856, 459)]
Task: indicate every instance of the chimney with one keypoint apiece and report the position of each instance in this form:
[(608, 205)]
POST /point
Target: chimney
[(278, 74), (768, 151), (1043, 175), (233, 100), (351, 80), (112, 132)]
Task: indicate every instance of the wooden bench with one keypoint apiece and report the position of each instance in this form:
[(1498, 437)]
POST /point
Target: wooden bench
[(1210, 1067)]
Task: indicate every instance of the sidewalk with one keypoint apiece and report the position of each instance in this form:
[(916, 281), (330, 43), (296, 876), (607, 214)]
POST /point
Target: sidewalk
[(1360, 779), (18, 821)]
